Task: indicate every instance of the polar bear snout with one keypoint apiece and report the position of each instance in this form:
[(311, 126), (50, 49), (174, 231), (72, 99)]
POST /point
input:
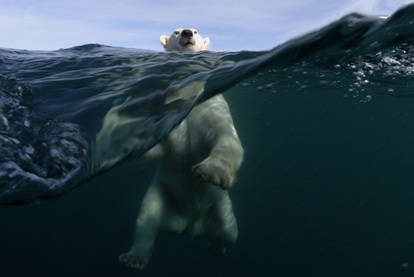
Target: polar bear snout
[(187, 33), (186, 42), (187, 38)]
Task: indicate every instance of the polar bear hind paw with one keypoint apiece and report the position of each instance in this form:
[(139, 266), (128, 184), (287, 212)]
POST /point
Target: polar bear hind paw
[(214, 172), (133, 260)]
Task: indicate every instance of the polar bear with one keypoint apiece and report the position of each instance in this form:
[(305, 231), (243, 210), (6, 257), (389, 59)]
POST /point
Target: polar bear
[(198, 163)]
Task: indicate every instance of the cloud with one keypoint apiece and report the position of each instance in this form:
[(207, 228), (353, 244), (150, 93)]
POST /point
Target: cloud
[(374, 7), (231, 24), (34, 32)]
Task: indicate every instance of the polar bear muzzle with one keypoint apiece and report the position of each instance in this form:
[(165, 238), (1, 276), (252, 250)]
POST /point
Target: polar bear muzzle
[(187, 33), (187, 38)]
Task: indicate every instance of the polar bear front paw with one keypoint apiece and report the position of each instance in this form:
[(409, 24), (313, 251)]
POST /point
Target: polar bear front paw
[(215, 172), (131, 259)]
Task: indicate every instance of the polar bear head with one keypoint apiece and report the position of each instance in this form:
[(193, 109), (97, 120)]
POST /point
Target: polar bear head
[(184, 39)]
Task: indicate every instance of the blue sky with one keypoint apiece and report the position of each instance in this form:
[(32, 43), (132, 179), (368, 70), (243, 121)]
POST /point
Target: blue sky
[(231, 24)]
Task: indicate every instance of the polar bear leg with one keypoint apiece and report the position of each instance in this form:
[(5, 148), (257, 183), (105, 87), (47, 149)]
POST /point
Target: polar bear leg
[(219, 134), (223, 232), (146, 229)]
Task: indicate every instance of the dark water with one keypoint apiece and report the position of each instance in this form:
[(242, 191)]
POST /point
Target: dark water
[(326, 121)]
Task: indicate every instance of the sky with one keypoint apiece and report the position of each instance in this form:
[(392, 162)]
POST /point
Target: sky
[(232, 25)]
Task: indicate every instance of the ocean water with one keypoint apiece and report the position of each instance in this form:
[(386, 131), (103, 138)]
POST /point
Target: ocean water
[(326, 120)]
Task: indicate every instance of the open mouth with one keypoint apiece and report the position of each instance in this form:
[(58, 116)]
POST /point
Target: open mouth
[(188, 43)]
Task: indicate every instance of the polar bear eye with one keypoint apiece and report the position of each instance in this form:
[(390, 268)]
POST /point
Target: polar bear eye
[(176, 32), (195, 32)]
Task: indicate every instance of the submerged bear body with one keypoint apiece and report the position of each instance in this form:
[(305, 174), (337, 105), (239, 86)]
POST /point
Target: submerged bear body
[(197, 165)]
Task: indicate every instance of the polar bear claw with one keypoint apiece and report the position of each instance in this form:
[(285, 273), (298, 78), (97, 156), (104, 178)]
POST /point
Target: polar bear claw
[(214, 172)]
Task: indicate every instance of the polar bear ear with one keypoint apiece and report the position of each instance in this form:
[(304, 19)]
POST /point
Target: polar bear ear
[(206, 43), (164, 40)]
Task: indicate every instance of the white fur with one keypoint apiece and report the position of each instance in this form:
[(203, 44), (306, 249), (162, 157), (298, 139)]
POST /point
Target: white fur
[(198, 163)]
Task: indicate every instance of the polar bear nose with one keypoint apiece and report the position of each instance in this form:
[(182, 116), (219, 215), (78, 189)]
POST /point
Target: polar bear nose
[(187, 33)]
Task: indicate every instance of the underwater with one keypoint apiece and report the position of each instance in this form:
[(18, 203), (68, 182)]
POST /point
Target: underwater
[(326, 121)]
